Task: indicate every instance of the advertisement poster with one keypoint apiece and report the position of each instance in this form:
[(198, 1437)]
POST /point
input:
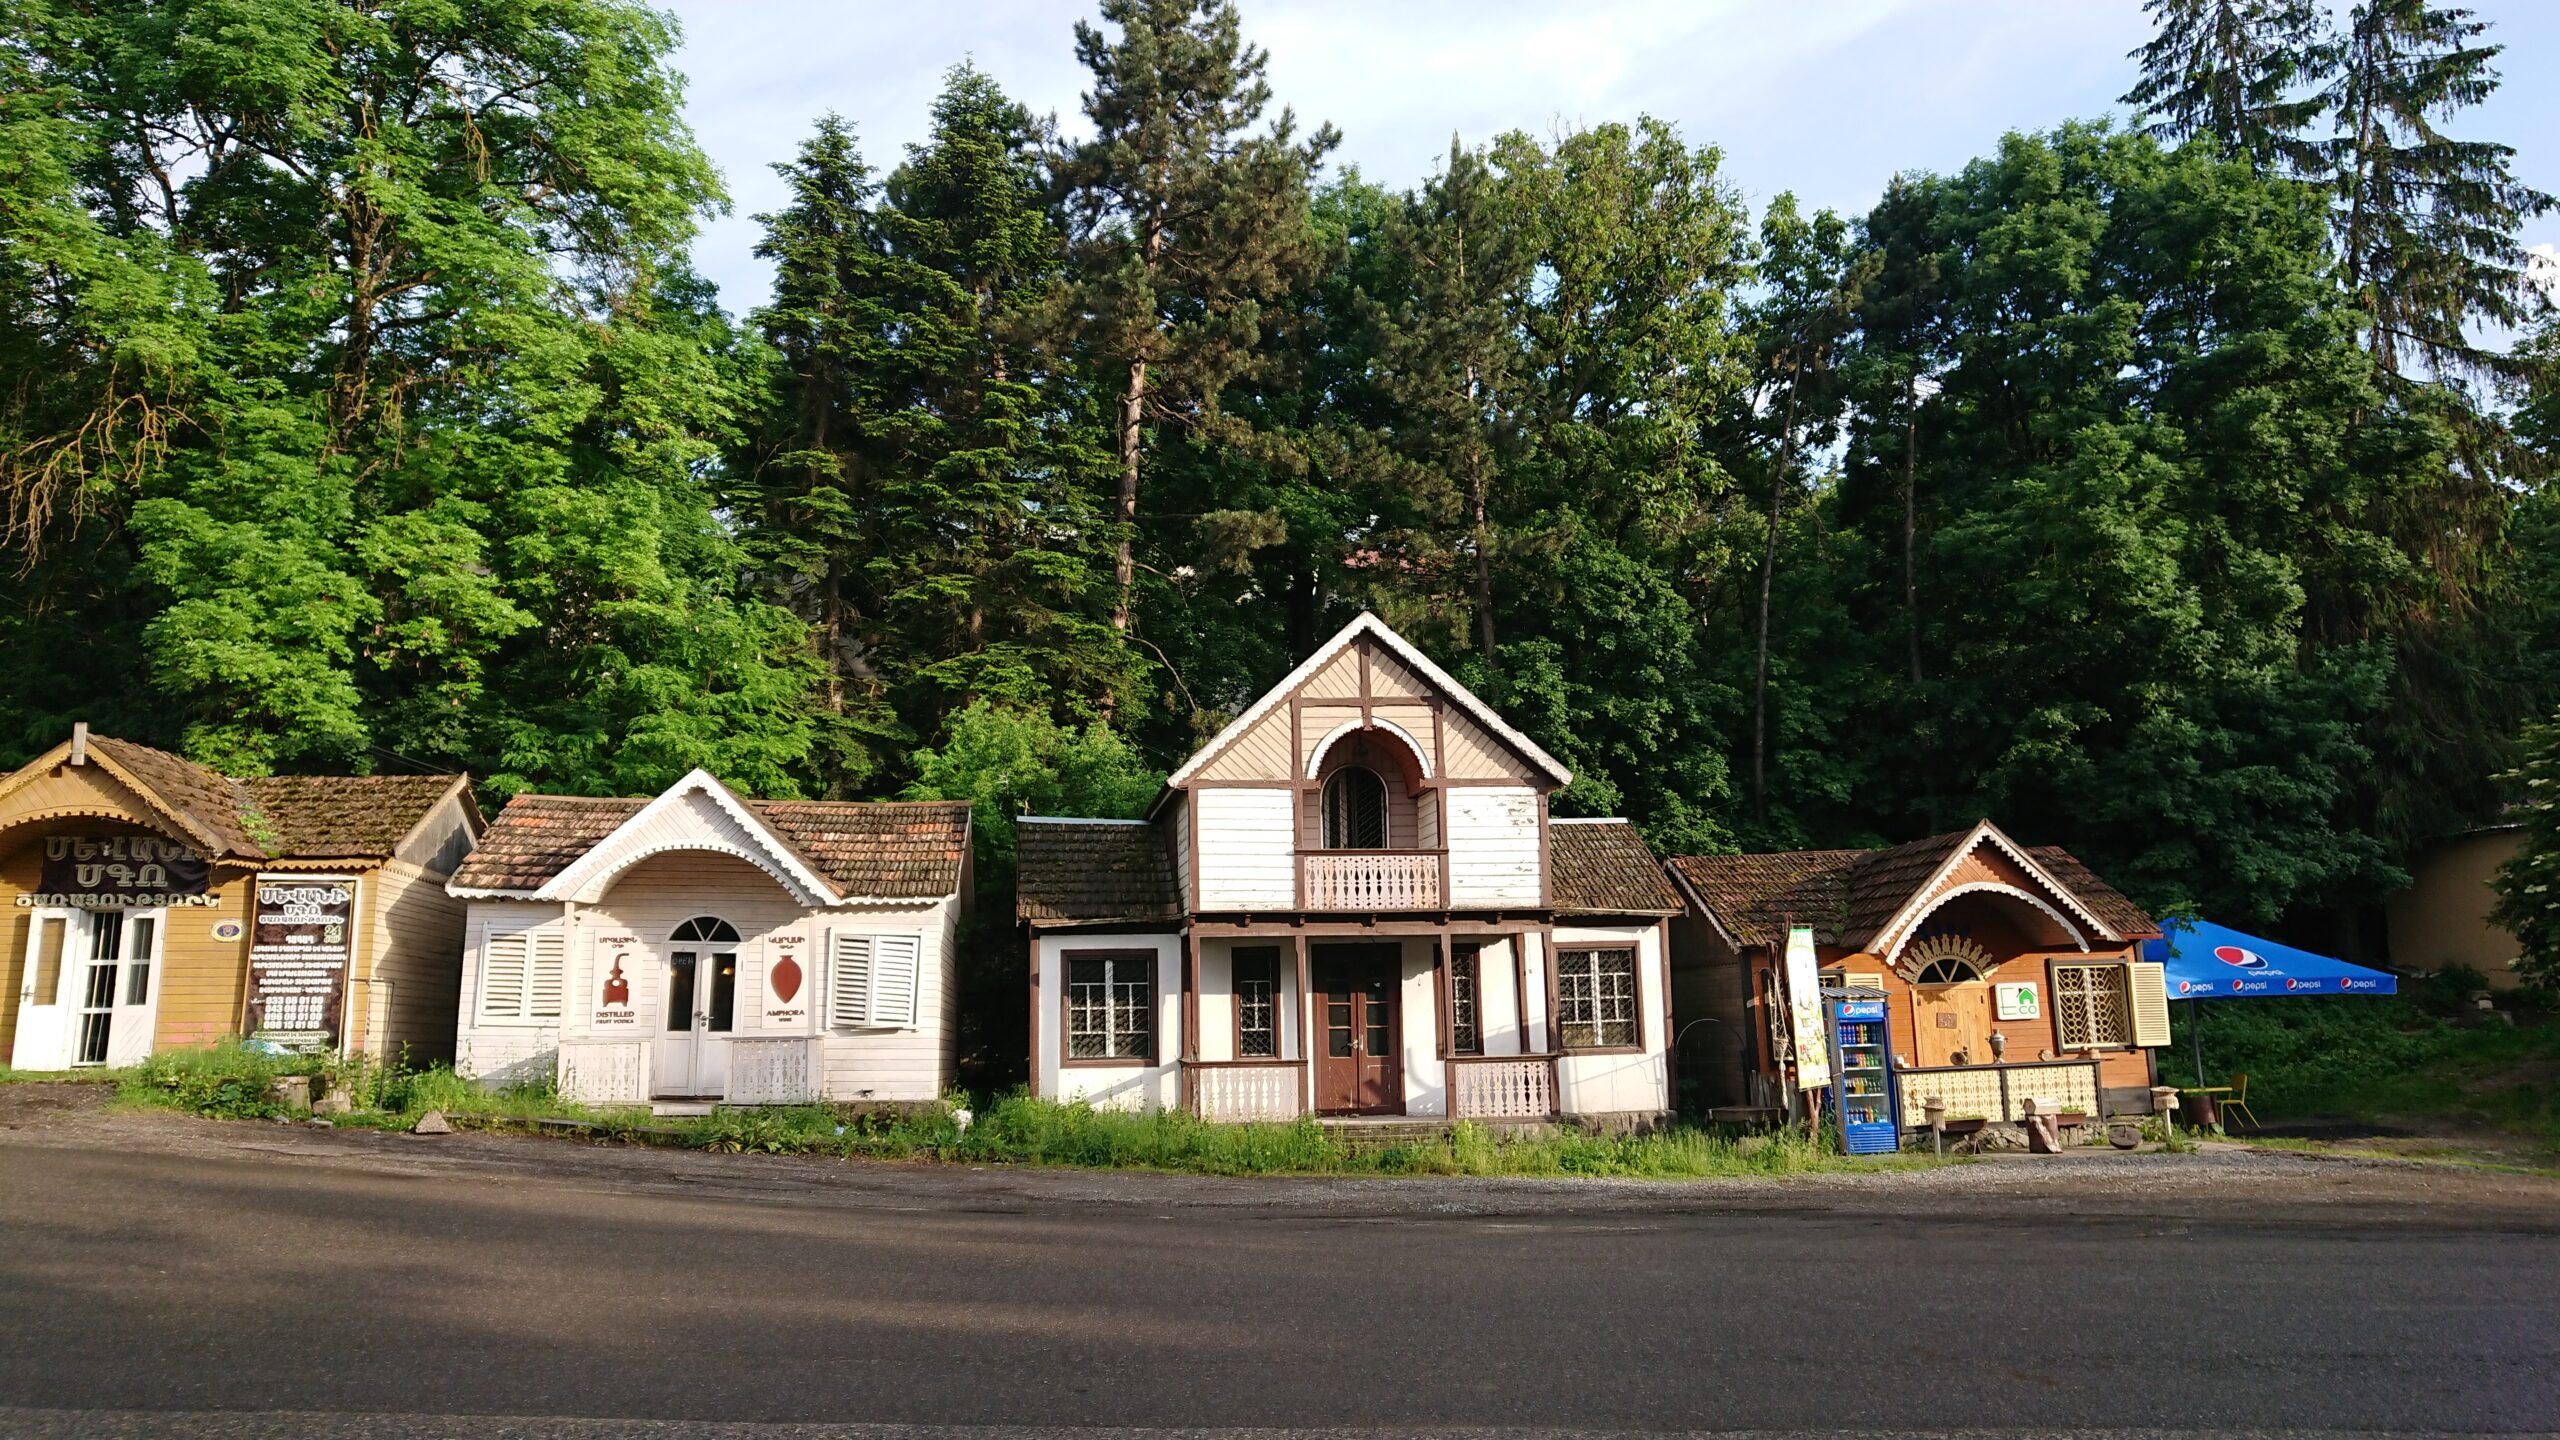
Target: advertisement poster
[(1804, 1011), (2016, 1000), (619, 964), (789, 975), (301, 936), (118, 872)]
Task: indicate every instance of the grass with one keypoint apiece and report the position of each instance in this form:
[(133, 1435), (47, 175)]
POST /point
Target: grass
[(228, 1081)]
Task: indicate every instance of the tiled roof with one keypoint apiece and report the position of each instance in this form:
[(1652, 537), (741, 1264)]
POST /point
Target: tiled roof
[(1849, 895), (1755, 897), (536, 837), (1602, 867), (330, 816), (887, 850), (282, 817), (2103, 899), (1070, 870), (875, 850)]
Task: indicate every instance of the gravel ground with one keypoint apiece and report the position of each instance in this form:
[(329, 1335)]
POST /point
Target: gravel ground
[(2217, 1182)]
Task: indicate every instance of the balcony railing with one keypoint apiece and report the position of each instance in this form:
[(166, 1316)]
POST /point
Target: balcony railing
[(1998, 1092), (1238, 1090), (1502, 1087), (1370, 879)]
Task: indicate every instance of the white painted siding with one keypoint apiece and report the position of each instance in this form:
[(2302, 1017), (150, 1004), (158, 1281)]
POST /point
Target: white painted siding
[(1426, 1083), (1126, 1087), (503, 1054), (1621, 1084), (1493, 846), (1247, 860)]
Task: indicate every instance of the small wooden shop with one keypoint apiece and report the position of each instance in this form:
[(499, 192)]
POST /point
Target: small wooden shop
[(2006, 972), (158, 904), (701, 947)]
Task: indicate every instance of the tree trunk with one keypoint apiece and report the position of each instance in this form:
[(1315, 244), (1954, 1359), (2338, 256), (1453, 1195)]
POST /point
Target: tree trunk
[(1124, 564), (1479, 538), (1911, 519), (1768, 577)]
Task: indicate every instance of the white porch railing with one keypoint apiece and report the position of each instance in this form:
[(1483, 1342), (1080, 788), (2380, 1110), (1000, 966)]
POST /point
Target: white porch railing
[(604, 1072), (1237, 1090), (1502, 1087), (775, 1070), (1370, 879)]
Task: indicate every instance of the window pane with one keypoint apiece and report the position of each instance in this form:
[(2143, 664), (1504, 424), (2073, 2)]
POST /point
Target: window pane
[(1596, 997), (1337, 1026), (49, 941), (724, 992), (1355, 810), (1132, 1008), (137, 985), (1466, 1031), (680, 990), (1088, 1009)]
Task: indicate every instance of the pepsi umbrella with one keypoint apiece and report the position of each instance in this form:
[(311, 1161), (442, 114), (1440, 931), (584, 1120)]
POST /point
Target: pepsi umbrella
[(2205, 961)]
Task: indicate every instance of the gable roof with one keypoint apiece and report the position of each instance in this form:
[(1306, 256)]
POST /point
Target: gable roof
[(1603, 867), (844, 850), (1858, 898), (1370, 625), (266, 817), (1091, 871)]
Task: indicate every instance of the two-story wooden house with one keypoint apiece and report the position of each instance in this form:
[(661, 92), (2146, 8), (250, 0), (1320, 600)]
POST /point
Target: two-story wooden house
[(1353, 901)]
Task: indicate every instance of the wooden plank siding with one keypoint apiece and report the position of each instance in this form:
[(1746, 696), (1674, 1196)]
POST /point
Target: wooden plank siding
[(407, 1000), (1248, 860), (1494, 853)]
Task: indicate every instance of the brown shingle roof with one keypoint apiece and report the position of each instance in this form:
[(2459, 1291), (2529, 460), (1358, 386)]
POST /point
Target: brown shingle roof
[(1602, 867), (1085, 870), (332, 816), (2103, 899), (1849, 895), (887, 850), (211, 802), (536, 837), (1755, 897)]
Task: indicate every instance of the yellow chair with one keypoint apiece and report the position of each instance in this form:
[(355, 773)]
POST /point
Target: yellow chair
[(2237, 1103)]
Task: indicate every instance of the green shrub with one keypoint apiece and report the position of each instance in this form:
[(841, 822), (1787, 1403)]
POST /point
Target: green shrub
[(227, 1080)]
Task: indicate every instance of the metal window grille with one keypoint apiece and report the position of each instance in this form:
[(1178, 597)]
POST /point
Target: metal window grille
[(2091, 1008), (1466, 1030), (1596, 997), (1355, 810), (1257, 1004), (1110, 1007)]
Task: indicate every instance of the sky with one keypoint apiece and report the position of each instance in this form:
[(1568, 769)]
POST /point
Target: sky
[(1827, 98)]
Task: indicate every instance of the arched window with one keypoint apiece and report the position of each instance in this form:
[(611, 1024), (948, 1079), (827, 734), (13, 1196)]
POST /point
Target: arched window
[(704, 928), (700, 944), (1355, 810), (1949, 971)]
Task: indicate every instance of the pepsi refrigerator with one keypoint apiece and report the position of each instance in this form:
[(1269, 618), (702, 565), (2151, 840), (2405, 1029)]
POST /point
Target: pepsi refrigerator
[(1862, 1082)]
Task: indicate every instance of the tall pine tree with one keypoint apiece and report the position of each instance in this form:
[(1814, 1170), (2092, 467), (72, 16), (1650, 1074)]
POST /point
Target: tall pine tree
[(2233, 71)]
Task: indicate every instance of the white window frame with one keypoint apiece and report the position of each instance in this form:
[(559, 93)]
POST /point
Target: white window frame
[(1115, 985), (875, 979), (543, 993), (1566, 1000)]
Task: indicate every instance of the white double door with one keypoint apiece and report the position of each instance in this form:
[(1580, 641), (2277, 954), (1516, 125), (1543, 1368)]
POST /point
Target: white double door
[(90, 991), (691, 1058)]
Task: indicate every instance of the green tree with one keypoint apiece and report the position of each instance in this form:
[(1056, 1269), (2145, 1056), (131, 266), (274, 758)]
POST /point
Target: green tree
[(2528, 885), (2233, 72)]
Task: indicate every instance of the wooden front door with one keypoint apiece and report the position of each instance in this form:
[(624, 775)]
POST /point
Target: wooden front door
[(1954, 1022), (1357, 1072)]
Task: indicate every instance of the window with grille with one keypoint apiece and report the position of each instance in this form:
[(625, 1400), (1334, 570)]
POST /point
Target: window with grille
[(1257, 1004), (1355, 810), (1466, 1022), (1111, 1007), (2091, 1007), (1596, 997)]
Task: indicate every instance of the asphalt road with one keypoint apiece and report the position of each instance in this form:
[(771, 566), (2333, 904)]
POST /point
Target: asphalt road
[(151, 1293)]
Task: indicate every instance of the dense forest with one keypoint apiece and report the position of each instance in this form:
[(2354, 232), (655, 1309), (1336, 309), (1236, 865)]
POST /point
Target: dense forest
[(2171, 488)]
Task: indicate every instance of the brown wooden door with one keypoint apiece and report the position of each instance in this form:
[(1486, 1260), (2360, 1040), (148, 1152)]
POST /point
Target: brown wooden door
[(1356, 1031), (1954, 1022)]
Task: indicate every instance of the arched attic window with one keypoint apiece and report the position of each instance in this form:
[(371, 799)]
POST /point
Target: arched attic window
[(1355, 810), (1947, 972)]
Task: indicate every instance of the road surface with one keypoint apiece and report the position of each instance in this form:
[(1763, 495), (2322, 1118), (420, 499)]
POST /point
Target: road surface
[(230, 1287)]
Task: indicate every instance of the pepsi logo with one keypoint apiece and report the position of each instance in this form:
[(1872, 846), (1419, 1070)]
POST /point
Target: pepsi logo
[(2289, 984), (2234, 955), (2183, 987), (2236, 984)]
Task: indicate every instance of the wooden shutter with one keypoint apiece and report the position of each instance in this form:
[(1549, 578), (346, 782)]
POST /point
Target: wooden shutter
[(504, 959), (848, 980), (546, 975), (2149, 983), (895, 959)]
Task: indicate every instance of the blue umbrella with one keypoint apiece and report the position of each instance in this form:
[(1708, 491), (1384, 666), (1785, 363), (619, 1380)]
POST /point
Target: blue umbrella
[(2213, 962)]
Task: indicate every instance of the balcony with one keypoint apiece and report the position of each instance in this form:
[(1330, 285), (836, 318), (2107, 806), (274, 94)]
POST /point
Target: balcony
[(1240, 1090), (1371, 879)]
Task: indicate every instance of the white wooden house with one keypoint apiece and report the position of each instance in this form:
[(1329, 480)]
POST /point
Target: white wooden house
[(1353, 901), (701, 947)]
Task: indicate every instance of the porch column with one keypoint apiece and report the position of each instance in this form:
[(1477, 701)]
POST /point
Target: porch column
[(1520, 986), (1547, 962), (1448, 1006), (1306, 1043), (1190, 1014)]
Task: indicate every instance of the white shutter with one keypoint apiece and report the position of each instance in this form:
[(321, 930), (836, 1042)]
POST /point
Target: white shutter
[(546, 975), (848, 980), (893, 979), (503, 957), (2149, 984)]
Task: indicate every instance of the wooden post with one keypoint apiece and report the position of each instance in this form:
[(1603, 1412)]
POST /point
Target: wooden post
[(1306, 1036)]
